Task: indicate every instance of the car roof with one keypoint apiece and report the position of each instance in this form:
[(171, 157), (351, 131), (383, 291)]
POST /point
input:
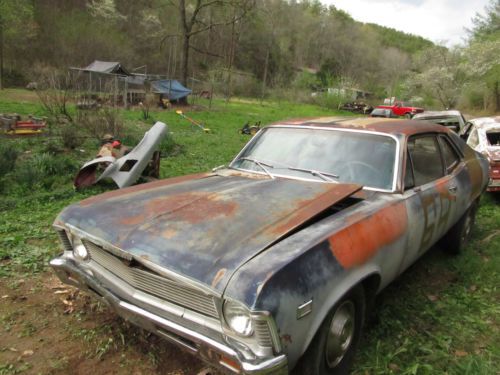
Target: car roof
[(392, 126), (431, 114), (481, 122)]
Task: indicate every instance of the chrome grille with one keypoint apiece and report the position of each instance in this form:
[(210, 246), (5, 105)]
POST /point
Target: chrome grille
[(262, 332), (63, 236), (153, 284)]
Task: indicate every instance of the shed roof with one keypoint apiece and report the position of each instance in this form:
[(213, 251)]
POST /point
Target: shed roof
[(112, 67)]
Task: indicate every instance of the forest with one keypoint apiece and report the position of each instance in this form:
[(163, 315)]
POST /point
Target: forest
[(257, 48)]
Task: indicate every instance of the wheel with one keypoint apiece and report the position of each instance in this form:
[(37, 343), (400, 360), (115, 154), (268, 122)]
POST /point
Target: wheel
[(331, 352), (408, 115), (455, 240)]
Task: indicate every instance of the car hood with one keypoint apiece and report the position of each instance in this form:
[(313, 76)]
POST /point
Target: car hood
[(204, 226)]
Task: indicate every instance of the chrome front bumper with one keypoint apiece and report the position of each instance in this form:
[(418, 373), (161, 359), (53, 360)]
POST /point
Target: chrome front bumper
[(208, 349)]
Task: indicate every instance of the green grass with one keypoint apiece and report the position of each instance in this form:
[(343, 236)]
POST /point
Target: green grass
[(439, 317)]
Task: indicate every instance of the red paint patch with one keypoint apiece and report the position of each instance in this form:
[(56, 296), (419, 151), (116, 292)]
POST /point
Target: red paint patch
[(218, 277), (360, 241)]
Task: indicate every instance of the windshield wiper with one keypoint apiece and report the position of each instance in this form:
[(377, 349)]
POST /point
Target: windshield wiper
[(324, 175), (261, 165)]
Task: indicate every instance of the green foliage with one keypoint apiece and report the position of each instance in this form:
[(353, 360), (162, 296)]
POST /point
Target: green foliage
[(307, 80), (8, 157), (440, 316), (405, 42)]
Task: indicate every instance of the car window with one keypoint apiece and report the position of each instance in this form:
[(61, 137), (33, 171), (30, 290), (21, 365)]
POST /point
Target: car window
[(351, 156), (426, 158), (450, 156), (493, 137), (409, 180), (473, 140)]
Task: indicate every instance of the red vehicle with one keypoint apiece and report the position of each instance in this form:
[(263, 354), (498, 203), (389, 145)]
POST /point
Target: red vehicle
[(402, 109)]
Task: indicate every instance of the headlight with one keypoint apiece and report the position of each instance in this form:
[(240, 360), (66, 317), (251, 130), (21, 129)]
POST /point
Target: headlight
[(238, 318), (79, 250)]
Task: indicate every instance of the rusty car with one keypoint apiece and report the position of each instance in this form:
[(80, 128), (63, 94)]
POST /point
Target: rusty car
[(483, 135), (452, 119), (270, 264)]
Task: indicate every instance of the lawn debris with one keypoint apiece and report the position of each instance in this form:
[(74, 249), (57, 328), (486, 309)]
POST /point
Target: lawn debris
[(27, 353), (122, 165), (13, 124), (193, 121), (250, 129)]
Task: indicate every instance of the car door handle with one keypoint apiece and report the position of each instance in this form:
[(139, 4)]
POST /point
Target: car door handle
[(453, 189)]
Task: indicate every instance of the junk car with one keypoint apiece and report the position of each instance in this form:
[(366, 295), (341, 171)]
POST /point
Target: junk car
[(484, 137), (452, 119), (383, 112), (272, 263)]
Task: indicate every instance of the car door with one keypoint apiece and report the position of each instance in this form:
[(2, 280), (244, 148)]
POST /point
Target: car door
[(431, 189)]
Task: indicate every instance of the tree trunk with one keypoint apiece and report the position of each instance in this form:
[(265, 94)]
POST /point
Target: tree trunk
[(264, 78), (185, 58), (496, 93)]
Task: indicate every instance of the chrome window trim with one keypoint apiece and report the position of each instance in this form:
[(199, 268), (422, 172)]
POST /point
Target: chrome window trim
[(397, 161)]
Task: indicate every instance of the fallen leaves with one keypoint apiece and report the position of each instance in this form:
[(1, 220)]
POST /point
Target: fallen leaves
[(69, 301)]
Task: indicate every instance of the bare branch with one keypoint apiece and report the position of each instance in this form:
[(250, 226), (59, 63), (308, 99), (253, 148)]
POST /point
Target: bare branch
[(205, 52)]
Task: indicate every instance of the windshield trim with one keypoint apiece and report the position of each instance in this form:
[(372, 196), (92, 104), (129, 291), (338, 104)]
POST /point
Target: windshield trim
[(397, 159)]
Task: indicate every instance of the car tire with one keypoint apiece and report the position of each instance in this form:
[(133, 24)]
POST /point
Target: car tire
[(408, 115), (331, 352), (458, 236)]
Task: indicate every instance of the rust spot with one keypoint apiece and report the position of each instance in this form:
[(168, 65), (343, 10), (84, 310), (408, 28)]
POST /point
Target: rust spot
[(444, 192), (359, 241), (142, 187), (306, 209), (191, 207), (169, 233), (286, 338), (218, 276), (476, 176), (145, 256)]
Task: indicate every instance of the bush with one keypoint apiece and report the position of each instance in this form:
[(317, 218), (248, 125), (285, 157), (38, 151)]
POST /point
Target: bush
[(100, 121), (8, 157), (70, 136), (168, 146), (44, 171)]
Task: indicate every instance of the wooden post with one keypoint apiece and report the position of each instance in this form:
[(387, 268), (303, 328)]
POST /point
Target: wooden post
[(125, 93)]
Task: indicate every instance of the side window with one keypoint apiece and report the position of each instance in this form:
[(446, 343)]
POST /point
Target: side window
[(426, 158), (451, 159), (473, 140)]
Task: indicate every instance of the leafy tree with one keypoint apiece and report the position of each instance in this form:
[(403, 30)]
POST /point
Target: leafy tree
[(16, 27), (483, 58)]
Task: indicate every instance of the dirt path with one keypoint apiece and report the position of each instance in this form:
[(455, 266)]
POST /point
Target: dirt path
[(49, 328)]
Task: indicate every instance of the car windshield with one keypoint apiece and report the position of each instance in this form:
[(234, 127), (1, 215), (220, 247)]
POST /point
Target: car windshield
[(322, 154)]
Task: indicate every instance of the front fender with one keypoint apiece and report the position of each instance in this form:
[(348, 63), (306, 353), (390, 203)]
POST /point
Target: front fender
[(290, 274)]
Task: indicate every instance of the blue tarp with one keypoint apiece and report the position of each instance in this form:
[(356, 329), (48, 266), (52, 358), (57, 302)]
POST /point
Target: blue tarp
[(171, 88)]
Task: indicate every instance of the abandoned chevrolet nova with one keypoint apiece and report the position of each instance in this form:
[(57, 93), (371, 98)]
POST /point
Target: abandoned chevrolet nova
[(270, 264)]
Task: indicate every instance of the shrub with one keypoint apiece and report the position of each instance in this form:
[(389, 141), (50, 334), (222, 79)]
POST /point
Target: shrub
[(168, 146), (8, 157), (100, 121), (70, 136), (44, 170)]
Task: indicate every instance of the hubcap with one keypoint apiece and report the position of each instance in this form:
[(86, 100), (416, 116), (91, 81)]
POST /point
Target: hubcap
[(340, 334)]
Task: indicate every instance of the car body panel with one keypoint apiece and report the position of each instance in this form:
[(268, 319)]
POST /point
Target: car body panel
[(452, 119), (477, 138), (277, 244), (186, 217)]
